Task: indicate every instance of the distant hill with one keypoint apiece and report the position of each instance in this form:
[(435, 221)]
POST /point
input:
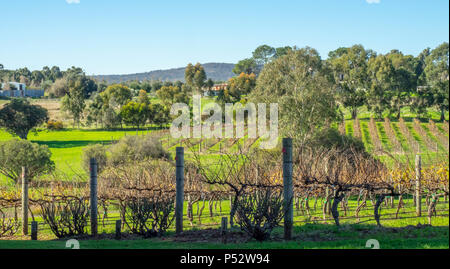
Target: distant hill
[(214, 71)]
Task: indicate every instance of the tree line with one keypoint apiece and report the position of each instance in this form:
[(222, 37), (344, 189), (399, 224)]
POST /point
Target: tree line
[(359, 76)]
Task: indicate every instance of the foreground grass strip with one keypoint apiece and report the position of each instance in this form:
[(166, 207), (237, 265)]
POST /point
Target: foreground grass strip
[(309, 236)]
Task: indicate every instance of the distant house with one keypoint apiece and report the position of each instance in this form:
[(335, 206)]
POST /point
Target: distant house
[(214, 91), (19, 90)]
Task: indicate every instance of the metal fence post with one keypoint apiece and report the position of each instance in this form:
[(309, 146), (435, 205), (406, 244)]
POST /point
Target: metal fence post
[(34, 230), (118, 229), (179, 190), (418, 179), (288, 188), (224, 229), (93, 195), (24, 201)]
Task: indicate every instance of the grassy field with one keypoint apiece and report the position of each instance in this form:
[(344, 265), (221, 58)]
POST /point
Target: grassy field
[(310, 236)]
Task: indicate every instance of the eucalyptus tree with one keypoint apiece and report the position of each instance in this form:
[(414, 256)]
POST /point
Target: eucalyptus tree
[(437, 75), (350, 72), (299, 83)]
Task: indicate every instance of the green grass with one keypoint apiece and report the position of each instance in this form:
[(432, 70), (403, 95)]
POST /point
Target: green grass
[(403, 141), (67, 145), (349, 127), (383, 137), (366, 136), (311, 236)]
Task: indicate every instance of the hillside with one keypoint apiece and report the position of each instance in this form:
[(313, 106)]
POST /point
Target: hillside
[(215, 71)]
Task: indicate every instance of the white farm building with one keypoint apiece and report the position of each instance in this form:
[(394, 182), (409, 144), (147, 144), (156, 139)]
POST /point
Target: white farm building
[(15, 89)]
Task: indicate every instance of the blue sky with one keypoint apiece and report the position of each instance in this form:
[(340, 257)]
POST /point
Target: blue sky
[(129, 36)]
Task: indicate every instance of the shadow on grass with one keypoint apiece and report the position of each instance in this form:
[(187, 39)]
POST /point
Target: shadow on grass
[(72, 144)]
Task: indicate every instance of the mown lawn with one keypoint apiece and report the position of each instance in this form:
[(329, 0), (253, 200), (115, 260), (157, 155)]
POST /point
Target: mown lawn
[(310, 236), (67, 145)]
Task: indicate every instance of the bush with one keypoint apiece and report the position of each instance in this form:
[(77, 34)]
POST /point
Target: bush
[(17, 153), (66, 217), (55, 125), (257, 213), (149, 216), (136, 148), (331, 138), (8, 225), (94, 151)]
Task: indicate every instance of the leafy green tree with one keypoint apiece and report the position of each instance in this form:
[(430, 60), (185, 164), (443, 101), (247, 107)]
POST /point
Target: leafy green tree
[(94, 151), (299, 84), (422, 96), (110, 118), (135, 114), (17, 153), (382, 75), (247, 66), (117, 95), (74, 102), (393, 82), (281, 51), (404, 82), (159, 115), (18, 117), (59, 88), (200, 78), (170, 95), (349, 67), (143, 97), (263, 54), (95, 110), (156, 85), (189, 74), (437, 76), (195, 76), (209, 84), (240, 85)]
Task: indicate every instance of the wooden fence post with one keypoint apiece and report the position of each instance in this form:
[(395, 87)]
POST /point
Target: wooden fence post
[(24, 201), (418, 179), (93, 195), (34, 230), (288, 188), (179, 190)]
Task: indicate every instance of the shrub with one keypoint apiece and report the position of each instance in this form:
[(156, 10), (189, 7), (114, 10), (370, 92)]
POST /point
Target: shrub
[(55, 125), (149, 216), (8, 225), (257, 213), (136, 148), (94, 151), (331, 138), (66, 217), (17, 153)]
